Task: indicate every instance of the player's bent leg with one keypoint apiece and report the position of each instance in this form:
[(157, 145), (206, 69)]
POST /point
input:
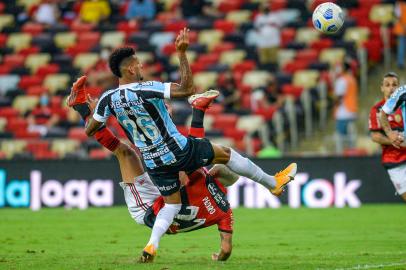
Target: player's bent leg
[(222, 173)]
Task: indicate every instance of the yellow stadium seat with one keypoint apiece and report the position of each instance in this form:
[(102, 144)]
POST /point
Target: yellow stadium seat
[(25, 103), (356, 34), (6, 20), (28, 3), (239, 16), (174, 60), (12, 147), (382, 13), (85, 60), (34, 61), (19, 41), (332, 56), (256, 78), (285, 55), (205, 80), (55, 82), (112, 39), (64, 146), (223, 141), (232, 57), (250, 123), (168, 4), (65, 39), (145, 57), (307, 35), (306, 78), (210, 38)]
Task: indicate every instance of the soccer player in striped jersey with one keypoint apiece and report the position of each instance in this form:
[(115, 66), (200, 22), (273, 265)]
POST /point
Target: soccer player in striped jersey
[(139, 108), (204, 201)]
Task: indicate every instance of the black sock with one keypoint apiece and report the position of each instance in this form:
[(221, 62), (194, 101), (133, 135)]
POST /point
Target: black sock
[(83, 110), (197, 119)]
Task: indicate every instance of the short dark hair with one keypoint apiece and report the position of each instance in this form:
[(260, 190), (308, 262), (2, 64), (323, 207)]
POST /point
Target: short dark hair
[(117, 57), (391, 74)]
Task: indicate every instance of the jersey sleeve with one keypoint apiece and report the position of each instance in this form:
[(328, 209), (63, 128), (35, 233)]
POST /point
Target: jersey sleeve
[(373, 123), (155, 90), (102, 111), (395, 100), (226, 224)]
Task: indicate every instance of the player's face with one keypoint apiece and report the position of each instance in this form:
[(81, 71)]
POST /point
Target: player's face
[(136, 68), (389, 86)]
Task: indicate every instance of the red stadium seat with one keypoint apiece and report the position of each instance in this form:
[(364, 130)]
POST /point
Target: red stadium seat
[(91, 38), (293, 66), (9, 112), (315, 3), (32, 28), (236, 134), (229, 5), (175, 26), (77, 133), (223, 121), (292, 90), (3, 40), (127, 27), (307, 55), (24, 134), (374, 49), (169, 49), (5, 69), (37, 146), (198, 67), (36, 90), (208, 59), (27, 81), (223, 47), (244, 66), (14, 124), (215, 109), (225, 26), (47, 69), (81, 27), (287, 36), (29, 50), (322, 44), (99, 154), (47, 154), (267, 113), (14, 60), (246, 101)]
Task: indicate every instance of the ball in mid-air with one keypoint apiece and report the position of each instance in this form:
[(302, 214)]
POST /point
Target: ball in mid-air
[(328, 18)]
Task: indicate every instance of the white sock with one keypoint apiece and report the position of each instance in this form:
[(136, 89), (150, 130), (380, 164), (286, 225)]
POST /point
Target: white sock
[(162, 222), (245, 167)]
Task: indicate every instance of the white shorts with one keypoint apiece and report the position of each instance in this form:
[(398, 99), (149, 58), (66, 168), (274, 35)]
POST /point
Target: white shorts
[(398, 177)]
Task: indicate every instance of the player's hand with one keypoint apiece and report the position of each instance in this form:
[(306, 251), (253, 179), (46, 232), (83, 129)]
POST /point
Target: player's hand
[(182, 40), (79, 83), (215, 256), (92, 102), (396, 138)]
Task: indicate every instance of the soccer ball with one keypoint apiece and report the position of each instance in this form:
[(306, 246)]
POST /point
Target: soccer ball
[(328, 18)]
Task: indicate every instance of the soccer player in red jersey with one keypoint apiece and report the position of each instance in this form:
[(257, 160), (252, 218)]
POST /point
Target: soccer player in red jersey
[(393, 156), (204, 201)]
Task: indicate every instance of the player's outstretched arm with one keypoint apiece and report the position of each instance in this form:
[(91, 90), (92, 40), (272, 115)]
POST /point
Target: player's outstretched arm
[(186, 87), (226, 247)]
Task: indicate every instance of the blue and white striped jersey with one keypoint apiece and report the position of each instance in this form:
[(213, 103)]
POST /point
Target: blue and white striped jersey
[(141, 111), (396, 100)]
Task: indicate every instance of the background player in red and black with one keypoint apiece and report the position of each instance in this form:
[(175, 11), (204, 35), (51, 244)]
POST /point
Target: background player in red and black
[(393, 158)]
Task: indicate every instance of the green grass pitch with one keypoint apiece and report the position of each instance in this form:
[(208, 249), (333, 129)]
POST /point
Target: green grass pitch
[(371, 237)]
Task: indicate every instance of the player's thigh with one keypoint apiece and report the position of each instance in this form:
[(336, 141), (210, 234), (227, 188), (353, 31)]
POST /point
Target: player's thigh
[(221, 154), (168, 184), (129, 161), (398, 178)]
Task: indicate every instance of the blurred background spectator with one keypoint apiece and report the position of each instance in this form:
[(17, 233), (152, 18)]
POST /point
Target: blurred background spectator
[(400, 31)]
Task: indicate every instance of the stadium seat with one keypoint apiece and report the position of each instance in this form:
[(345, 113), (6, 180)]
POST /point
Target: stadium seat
[(224, 26), (210, 38), (205, 80), (382, 13), (357, 34), (36, 90), (175, 26), (332, 56), (14, 60), (89, 38), (27, 135), (145, 57), (25, 103), (321, 44), (215, 109), (161, 39), (12, 147), (223, 121), (207, 122), (99, 154), (306, 78), (64, 40), (227, 142), (292, 90), (256, 78), (9, 112), (6, 20), (28, 3), (81, 27), (232, 57), (32, 28), (309, 55), (244, 66), (27, 81), (47, 69), (284, 56), (85, 60), (34, 61), (295, 65), (55, 82), (19, 41), (64, 146), (3, 124), (16, 123), (112, 39), (8, 82), (77, 133), (307, 35), (239, 16), (174, 60), (250, 123)]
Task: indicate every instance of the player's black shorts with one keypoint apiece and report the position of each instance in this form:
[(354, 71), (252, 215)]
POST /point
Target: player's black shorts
[(197, 153)]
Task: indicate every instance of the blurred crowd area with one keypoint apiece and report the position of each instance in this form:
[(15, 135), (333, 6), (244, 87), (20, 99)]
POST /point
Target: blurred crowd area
[(275, 72)]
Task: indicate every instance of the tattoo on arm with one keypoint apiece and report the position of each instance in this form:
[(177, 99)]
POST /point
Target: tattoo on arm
[(385, 123), (186, 77)]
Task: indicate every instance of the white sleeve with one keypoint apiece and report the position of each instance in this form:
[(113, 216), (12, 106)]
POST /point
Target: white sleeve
[(102, 110)]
